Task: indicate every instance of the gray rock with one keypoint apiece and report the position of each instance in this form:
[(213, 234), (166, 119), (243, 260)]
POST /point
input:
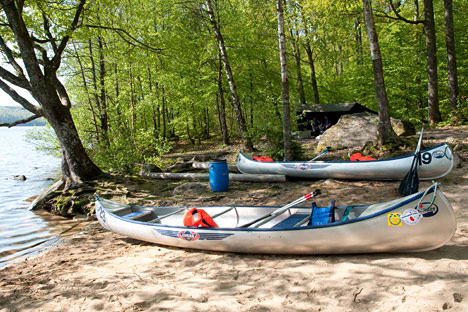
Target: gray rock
[(402, 127), (457, 297), (355, 130), (447, 306), (191, 188), (18, 178), (350, 131), (151, 168)]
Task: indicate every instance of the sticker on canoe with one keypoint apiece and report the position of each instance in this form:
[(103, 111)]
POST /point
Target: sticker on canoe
[(394, 219), (102, 214), (427, 209), (411, 216), (188, 235), (303, 166), (438, 154), (191, 236)]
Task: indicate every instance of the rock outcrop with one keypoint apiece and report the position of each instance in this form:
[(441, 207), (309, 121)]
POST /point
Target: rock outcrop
[(357, 130)]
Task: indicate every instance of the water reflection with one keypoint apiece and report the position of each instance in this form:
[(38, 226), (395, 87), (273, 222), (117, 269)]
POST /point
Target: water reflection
[(23, 232), (32, 235)]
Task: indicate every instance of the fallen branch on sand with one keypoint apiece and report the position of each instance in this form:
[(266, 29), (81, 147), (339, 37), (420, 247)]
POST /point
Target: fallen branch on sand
[(206, 176)]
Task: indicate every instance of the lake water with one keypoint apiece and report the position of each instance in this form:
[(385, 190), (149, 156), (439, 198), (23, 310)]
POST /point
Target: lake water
[(24, 232)]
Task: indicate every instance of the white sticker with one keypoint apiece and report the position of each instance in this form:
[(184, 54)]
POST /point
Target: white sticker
[(411, 216)]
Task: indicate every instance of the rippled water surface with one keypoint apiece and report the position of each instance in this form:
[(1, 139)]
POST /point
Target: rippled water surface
[(23, 232)]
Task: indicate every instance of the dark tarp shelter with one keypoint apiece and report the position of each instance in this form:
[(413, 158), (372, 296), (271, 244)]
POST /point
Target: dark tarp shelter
[(333, 112)]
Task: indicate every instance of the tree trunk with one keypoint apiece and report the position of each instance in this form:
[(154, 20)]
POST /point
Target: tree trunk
[(153, 106), (432, 84), (284, 83), (310, 58), (358, 39), (77, 167), (297, 60), (164, 113), (132, 102), (451, 60), (103, 115), (232, 86), (99, 91), (313, 75), (385, 127), (222, 106), (47, 90), (85, 85)]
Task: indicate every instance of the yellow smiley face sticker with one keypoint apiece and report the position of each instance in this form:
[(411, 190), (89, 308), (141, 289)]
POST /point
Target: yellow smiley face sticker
[(394, 219)]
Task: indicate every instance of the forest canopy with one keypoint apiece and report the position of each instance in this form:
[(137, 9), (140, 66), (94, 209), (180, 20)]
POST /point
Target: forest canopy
[(142, 74)]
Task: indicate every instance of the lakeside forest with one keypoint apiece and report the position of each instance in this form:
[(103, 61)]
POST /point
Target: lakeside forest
[(132, 77)]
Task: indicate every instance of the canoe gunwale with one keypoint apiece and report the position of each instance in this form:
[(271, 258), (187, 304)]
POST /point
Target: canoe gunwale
[(345, 169), (395, 206), (346, 161)]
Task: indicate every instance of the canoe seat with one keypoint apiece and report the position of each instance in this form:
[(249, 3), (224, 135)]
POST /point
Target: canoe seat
[(291, 221), (137, 214), (323, 215)]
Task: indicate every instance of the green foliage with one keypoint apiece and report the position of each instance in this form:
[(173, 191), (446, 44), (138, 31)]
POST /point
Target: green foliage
[(161, 66), (44, 140)]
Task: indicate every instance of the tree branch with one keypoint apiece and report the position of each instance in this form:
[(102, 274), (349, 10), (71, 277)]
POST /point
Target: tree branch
[(51, 39), (17, 81), (12, 60), (18, 122), (58, 54), (20, 100), (120, 30), (398, 16)]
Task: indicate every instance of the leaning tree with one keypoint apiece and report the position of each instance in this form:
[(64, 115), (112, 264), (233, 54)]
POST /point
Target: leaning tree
[(33, 38)]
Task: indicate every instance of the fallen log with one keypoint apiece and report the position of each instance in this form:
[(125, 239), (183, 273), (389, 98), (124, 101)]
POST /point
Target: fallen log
[(206, 176), (206, 165)]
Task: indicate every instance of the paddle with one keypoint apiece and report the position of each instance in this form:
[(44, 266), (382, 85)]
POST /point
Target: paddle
[(410, 183), (279, 211), (321, 154)]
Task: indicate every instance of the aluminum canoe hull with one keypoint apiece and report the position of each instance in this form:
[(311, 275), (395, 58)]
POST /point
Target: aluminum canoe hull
[(435, 163), (375, 230)]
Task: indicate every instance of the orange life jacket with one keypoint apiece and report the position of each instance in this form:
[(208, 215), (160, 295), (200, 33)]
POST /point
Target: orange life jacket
[(263, 158), (359, 157), (203, 218)]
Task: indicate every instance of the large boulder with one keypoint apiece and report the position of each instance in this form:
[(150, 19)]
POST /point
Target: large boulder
[(356, 130), (402, 127)]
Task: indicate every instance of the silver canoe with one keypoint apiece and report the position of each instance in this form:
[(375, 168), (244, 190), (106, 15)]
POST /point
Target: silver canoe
[(435, 163), (418, 222)]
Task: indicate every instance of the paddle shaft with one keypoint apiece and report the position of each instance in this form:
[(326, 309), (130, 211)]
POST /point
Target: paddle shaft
[(320, 155), (410, 182), (418, 147), (279, 211)]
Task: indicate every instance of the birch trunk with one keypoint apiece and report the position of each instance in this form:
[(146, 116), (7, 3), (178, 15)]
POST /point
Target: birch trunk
[(284, 83), (232, 86)]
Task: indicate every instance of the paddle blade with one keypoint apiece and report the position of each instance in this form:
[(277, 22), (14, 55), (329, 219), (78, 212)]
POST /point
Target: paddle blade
[(410, 183)]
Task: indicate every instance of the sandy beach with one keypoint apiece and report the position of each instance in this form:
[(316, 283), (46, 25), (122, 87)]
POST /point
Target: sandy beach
[(96, 270)]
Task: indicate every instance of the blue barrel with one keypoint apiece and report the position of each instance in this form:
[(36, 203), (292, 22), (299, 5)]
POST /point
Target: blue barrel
[(219, 175)]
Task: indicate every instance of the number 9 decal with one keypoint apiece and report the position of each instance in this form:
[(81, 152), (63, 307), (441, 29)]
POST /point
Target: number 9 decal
[(426, 159)]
